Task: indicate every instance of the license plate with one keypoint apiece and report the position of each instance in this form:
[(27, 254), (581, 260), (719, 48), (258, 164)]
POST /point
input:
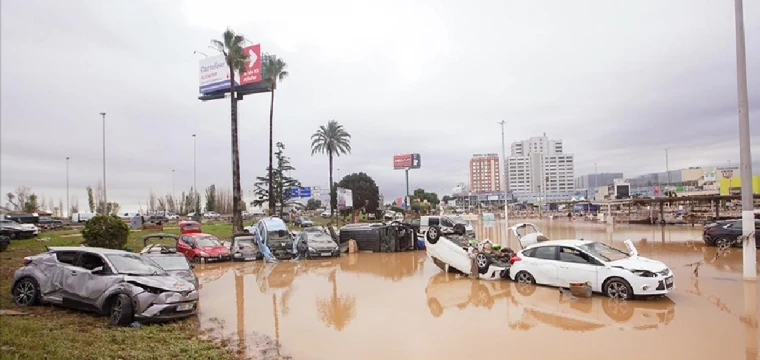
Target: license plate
[(669, 281), (249, 258), (326, 254), (185, 307)]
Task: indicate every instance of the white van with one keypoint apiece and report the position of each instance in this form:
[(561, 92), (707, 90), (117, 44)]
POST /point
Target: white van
[(82, 217)]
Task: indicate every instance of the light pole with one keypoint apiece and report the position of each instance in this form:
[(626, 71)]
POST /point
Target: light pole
[(105, 197), (745, 156), (504, 175), (174, 192), (68, 209), (667, 166), (196, 201)]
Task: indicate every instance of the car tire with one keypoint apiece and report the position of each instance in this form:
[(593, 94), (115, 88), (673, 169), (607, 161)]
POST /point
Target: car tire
[(483, 262), (723, 242), (433, 234), (618, 288), (122, 310), (524, 277), (196, 260), (26, 292)]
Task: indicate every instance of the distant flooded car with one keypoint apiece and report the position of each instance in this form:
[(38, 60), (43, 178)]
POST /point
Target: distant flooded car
[(273, 238), (610, 271), (316, 241), (243, 247), (123, 285), (727, 232)]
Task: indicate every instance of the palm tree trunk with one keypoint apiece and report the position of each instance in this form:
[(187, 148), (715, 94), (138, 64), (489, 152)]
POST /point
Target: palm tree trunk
[(332, 194), (271, 131), (237, 221)]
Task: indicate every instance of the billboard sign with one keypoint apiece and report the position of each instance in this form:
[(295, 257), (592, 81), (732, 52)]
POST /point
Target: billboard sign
[(407, 161), (711, 176), (345, 198), (215, 74)]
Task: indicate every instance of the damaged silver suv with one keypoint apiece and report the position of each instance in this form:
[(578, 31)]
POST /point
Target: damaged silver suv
[(123, 285)]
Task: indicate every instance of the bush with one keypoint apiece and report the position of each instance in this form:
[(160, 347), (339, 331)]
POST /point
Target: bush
[(105, 232)]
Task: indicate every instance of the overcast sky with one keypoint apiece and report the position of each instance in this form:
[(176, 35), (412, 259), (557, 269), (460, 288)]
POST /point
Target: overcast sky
[(618, 81)]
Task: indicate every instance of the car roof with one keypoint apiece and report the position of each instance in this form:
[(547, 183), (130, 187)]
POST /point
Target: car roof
[(97, 250), (572, 242), (157, 254), (198, 234), (274, 223)]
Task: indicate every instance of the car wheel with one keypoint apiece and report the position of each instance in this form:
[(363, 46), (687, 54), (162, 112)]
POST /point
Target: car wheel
[(435, 307), (122, 310), (617, 288), (524, 277), (433, 234), (723, 242), (26, 292), (617, 310), (196, 260), (483, 262)]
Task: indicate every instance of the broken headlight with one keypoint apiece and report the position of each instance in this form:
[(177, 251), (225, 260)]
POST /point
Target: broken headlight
[(644, 273)]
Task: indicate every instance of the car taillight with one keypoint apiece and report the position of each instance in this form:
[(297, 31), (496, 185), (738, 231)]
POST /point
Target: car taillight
[(514, 259), (27, 260), (710, 230)]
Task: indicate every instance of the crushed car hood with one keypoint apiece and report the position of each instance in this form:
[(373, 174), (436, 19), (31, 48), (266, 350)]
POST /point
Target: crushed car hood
[(169, 283), (640, 263), (323, 245), (187, 275)]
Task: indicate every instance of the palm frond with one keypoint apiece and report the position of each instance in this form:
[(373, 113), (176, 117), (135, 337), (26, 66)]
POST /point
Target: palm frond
[(218, 45), (228, 36)]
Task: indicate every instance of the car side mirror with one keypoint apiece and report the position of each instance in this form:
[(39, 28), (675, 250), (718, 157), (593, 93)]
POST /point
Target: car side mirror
[(97, 270)]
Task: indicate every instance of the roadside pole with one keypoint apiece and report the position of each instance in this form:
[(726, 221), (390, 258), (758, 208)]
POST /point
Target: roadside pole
[(505, 175), (748, 218)]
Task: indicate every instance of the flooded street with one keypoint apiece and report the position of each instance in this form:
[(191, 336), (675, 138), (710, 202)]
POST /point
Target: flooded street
[(401, 306)]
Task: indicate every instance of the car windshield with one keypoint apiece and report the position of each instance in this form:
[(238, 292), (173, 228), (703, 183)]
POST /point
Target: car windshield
[(171, 262), (8, 222), (204, 241), (134, 265), (604, 252)]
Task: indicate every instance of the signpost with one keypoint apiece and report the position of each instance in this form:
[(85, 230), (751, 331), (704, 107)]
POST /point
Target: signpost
[(407, 162), (303, 192)]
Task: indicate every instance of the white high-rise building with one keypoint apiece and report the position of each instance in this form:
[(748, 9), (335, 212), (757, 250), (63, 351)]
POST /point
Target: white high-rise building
[(539, 168)]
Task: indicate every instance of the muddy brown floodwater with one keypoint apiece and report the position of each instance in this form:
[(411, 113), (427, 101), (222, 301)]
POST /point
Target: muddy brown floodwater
[(401, 306)]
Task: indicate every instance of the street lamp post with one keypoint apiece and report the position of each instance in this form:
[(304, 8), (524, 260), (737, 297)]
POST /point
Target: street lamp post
[(667, 166), (745, 156), (174, 192), (504, 175), (68, 208), (196, 200), (105, 196)]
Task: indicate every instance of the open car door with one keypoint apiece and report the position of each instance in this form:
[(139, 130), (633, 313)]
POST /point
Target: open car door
[(155, 243), (527, 234)]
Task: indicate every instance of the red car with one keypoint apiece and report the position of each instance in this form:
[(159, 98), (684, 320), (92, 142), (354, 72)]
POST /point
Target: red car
[(197, 246)]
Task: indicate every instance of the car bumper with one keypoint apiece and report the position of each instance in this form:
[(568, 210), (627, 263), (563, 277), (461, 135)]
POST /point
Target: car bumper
[(246, 256), (216, 258), (166, 306), (323, 253), (653, 286)]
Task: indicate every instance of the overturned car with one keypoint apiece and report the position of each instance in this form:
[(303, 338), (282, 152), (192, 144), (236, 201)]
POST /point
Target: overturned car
[(125, 286), (455, 253)]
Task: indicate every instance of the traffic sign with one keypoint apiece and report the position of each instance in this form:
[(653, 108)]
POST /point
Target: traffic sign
[(305, 192), (294, 192)]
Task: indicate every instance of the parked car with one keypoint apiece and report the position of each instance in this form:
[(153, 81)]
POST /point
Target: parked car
[(326, 213), (303, 221), (200, 247), (612, 272), (82, 217), (175, 265), (273, 238), (19, 231), (172, 216), (123, 285), (212, 215), (243, 247), (4, 242), (316, 241), (727, 232), (189, 227), (246, 215), (160, 243)]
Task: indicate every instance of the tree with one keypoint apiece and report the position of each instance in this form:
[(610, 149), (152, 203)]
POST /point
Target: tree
[(211, 198), (232, 49), (313, 204), (423, 196), (332, 140), (74, 206), (282, 182), (106, 232), (90, 199), (31, 206), (274, 71), (365, 193), (23, 200)]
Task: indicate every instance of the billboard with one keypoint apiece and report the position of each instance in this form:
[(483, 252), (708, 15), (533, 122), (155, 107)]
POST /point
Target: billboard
[(711, 176), (407, 161), (215, 75), (345, 198)]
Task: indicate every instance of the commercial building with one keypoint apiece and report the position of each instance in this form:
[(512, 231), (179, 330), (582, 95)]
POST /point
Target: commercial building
[(539, 169), (485, 173), (588, 183)]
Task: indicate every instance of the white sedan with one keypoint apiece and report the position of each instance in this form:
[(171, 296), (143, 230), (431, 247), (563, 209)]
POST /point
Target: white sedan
[(610, 271)]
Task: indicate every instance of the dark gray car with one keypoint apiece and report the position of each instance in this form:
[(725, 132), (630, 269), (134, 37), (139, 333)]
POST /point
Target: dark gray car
[(243, 247), (123, 285), (315, 242)]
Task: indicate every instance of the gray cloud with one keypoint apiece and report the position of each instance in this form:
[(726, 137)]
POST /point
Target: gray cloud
[(619, 82)]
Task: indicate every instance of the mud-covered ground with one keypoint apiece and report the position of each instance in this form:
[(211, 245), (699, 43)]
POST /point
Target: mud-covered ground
[(401, 306)]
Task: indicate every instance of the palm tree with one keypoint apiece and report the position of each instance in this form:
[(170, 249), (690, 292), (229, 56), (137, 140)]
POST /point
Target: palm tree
[(232, 48), (333, 140), (274, 71)]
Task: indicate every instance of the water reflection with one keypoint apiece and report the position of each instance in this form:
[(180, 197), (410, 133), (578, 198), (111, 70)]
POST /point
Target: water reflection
[(315, 308)]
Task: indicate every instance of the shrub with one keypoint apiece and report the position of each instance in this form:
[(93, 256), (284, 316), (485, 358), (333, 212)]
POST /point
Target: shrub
[(106, 232)]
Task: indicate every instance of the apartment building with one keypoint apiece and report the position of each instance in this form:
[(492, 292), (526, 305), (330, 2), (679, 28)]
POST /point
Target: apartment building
[(485, 173), (539, 168)]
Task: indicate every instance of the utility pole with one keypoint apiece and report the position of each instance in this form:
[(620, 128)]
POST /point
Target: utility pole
[(667, 167), (174, 192), (196, 200), (745, 156), (68, 208), (105, 197), (506, 182)]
